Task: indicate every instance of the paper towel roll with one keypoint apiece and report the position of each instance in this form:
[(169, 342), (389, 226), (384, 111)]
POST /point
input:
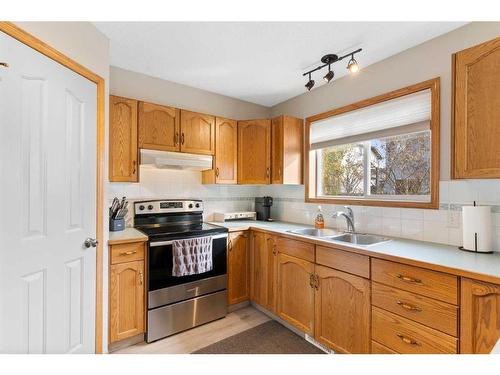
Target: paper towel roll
[(477, 220)]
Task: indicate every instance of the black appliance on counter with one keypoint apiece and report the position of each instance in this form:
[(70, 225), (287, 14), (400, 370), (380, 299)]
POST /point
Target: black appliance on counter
[(263, 208), (179, 303)]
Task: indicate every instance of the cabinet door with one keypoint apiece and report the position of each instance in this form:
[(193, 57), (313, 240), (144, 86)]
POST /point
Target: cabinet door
[(123, 151), (238, 268), (287, 150), (342, 311), (254, 152), (126, 300), (197, 133), (158, 127), (296, 292), (476, 129), (259, 286), (272, 272), (479, 316), (277, 150), (226, 151)]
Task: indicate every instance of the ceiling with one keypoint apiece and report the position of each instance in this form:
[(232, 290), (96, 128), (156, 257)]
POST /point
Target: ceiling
[(259, 62)]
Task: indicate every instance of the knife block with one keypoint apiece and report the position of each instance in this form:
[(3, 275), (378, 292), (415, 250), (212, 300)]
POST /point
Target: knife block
[(116, 225)]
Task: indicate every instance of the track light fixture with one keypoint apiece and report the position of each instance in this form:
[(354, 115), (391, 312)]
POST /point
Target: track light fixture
[(310, 84), (330, 59)]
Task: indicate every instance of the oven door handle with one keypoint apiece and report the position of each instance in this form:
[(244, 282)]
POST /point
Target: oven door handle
[(165, 243)]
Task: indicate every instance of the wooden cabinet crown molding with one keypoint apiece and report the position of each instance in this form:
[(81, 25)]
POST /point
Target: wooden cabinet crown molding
[(123, 150), (476, 119)]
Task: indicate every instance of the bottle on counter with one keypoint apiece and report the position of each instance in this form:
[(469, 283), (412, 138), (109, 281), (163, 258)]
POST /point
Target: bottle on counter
[(319, 222)]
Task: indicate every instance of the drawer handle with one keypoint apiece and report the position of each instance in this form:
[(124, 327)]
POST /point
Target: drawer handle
[(409, 279), (408, 340), (123, 253), (407, 306)]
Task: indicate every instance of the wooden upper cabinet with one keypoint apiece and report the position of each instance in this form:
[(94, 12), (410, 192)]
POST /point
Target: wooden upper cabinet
[(226, 154), (479, 316), (342, 311), (287, 150), (197, 133), (123, 151), (254, 152), (238, 288), (159, 127), (476, 123), (126, 300), (296, 292)]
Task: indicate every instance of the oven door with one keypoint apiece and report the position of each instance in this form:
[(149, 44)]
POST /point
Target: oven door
[(160, 263)]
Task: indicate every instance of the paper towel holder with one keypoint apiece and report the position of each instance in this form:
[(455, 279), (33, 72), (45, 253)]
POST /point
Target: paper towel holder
[(475, 245)]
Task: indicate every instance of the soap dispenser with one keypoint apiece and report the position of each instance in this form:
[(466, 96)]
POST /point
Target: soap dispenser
[(319, 221)]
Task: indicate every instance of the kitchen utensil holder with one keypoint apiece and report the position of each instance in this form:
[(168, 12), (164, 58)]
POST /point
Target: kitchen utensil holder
[(116, 225)]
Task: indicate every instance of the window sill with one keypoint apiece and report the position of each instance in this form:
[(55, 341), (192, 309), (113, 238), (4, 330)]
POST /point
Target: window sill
[(433, 204)]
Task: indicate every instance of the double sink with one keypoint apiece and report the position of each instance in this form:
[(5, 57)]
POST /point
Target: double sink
[(332, 235)]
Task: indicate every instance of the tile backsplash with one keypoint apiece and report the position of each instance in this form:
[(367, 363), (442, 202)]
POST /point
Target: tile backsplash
[(441, 226)]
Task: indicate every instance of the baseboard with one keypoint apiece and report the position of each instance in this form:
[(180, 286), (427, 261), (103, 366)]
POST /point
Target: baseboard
[(125, 343), (237, 306), (291, 328)]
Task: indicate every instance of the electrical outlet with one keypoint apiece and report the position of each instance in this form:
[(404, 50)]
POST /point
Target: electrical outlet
[(453, 218)]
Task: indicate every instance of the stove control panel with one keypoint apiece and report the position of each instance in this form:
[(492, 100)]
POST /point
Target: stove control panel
[(167, 206)]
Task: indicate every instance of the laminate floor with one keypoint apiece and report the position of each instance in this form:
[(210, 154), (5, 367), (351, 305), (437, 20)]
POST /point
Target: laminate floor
[(202, 336)]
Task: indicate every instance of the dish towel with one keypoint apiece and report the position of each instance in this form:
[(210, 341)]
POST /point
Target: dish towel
[(192, 256)]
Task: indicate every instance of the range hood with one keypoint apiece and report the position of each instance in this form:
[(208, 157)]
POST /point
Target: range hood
[(176, 160)]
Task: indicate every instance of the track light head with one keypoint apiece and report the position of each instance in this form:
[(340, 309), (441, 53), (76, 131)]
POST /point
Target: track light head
[(329, 76), (352, 65), (309, 85)]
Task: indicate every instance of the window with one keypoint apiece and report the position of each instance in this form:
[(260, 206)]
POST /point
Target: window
[(383, 152)]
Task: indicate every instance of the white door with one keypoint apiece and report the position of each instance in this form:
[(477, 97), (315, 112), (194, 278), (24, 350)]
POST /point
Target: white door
[(47, 204)]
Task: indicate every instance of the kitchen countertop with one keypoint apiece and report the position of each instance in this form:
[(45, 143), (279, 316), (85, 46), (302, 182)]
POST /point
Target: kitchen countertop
[(126, 236), (448, 258)]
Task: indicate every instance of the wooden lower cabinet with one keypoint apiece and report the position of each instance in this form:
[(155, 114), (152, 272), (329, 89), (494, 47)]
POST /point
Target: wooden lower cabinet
[(263, 270), (342, 311), (126, 300), (296, 292), (479, 316), (238, 283)]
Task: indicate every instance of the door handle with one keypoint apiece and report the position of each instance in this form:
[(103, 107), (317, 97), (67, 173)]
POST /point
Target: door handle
[(90, 242), (4, 64)]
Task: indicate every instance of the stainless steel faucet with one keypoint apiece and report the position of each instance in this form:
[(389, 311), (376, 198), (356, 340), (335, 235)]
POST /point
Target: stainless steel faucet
[(349, 216)]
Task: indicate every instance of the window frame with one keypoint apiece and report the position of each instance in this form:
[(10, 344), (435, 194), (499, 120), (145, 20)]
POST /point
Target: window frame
[(311, 188)]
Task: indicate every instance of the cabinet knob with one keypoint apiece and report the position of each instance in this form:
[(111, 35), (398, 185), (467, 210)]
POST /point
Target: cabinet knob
[(408, 340), (141, 278), (408, 279), (134, 164), (182, 138), (217, 172)]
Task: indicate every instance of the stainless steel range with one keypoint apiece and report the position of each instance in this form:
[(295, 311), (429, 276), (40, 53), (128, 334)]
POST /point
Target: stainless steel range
[(179, 303)]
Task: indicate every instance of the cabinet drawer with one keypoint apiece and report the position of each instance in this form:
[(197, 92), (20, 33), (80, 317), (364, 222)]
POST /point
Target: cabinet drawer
[(298, 249), (407, 337), (432, 284), (344, 261), (436, 314), (381, 349), (127, 252)]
